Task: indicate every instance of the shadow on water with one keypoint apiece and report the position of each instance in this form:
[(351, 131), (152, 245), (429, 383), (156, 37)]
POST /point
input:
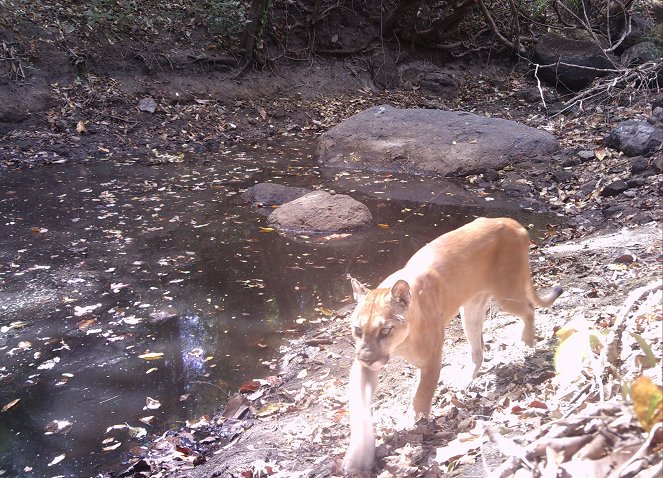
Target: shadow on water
[(104, 262)]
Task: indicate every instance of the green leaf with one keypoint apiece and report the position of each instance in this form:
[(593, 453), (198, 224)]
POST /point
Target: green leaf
[(651, 358)]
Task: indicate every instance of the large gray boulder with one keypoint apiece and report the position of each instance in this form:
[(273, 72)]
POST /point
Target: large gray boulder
[(430, 142), (321, 213)]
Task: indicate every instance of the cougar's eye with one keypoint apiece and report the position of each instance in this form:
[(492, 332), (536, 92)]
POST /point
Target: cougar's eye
[(385, 331), (358, 331)]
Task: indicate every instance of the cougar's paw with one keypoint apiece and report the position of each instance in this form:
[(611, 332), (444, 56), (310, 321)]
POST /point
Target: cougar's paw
[(359, 461), (357, 467), (528, 338)]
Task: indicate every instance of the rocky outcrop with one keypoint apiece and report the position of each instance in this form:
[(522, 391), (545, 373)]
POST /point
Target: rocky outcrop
[(641, 53), (430, 142), (572, 58), (430, 80), (635, 138), (270, 194), (321, 213)]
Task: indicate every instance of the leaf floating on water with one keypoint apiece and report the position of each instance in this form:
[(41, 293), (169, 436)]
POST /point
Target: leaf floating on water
[(137, 432), (78, 311), (117, 287), (250, 386), (131, 320), (57, 460), (49, 364), (10, 404), (146, 420), (151, 356), (153, 369), (38, 230), (112, 447), (266, 229), (151, 404), (383, 226), (61, 427), (84, 324)]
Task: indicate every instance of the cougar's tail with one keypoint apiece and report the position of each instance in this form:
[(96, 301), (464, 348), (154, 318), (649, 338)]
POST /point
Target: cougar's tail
[(548, 299)]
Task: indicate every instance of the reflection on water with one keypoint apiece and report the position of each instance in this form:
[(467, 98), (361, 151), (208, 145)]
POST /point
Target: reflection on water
[(103, 263)]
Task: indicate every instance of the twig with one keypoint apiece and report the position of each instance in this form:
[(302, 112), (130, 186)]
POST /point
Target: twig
[(613, 341), (211, 385), (640, 453), (493, 26), (538, 85)]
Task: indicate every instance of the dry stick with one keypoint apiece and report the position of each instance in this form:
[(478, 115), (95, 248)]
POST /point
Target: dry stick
[(588, 28), (493, 26), (613, 341), (625, 34), (604, 86), (538, 84), (640, 453)]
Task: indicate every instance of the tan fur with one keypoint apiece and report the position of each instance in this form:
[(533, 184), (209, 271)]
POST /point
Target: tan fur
[(407, 314)]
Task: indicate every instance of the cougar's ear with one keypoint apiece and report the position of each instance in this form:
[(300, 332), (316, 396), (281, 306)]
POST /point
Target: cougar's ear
[(400, 293), (358, 290)]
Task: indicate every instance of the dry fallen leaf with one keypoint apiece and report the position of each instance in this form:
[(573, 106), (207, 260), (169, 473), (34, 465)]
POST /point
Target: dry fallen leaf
[(10, 404), (647, 401), (151, 356)]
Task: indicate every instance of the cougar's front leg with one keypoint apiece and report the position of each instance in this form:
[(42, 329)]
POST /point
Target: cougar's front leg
[(361, 452), (426, 386)]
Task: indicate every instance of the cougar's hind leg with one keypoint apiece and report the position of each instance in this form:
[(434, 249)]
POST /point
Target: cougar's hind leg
[(523, 308), (472, 315)]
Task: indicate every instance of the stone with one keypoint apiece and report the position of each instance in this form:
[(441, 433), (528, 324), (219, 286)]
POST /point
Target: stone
[(430, 80), (319, 212), (384, 72), (570, 162), (634, 138), (270, 194), (430, 142), (658, 164), (634, 30), (515, 189), (657, 115), (147, 104), (586, 155), (635, 183), (640, 53), (639, 165), (490, 175), (571, 58), (614, 188), (561, 176), (439, 84)]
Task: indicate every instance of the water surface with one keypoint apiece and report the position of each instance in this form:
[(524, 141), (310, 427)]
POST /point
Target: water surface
[(107, 261)]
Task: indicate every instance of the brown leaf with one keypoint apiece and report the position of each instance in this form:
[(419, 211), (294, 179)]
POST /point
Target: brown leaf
[(10, 404), (250, 386)]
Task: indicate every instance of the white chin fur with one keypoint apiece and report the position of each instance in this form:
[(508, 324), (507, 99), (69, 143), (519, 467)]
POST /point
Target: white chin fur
[(375, 366)]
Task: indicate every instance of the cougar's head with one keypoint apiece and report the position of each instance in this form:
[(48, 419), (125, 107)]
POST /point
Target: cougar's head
[(379, 322)]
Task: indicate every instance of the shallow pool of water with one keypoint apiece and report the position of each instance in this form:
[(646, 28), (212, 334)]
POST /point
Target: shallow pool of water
[(106, 265)]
